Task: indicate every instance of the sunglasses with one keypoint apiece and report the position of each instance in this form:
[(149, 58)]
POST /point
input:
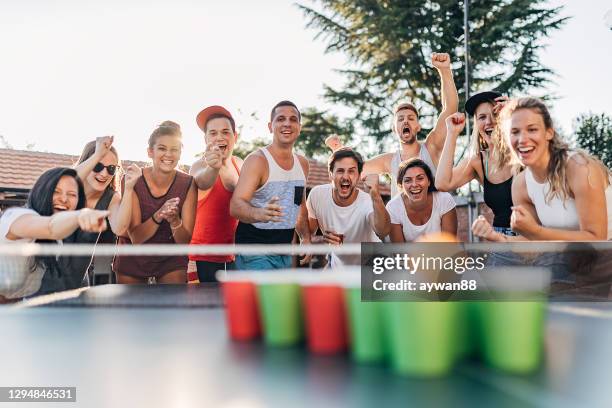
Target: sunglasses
[(111, 168)]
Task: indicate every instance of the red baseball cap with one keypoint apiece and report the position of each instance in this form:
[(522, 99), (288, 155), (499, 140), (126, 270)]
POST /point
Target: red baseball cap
[(203, 116)]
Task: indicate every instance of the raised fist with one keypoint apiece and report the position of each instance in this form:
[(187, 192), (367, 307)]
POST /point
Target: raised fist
[(440, 60), (333, 142), (455, 123), (132, 174), (370, 182), (103, 145)]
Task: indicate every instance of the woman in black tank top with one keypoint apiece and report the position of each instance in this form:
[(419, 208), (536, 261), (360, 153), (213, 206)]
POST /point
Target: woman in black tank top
[(491, 161)]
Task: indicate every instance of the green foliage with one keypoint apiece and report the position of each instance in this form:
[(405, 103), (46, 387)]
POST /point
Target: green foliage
[(593, 133), (389, 43), (316, 127), (244, 147)]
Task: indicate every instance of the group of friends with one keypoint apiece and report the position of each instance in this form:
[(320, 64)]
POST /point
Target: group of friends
[(537, 187)]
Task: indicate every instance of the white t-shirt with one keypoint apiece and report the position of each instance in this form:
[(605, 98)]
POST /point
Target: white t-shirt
[(352, 221), (442, 203), (17, 279)]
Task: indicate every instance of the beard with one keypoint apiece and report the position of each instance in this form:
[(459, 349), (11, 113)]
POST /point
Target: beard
[(407, 138), (345, 193)]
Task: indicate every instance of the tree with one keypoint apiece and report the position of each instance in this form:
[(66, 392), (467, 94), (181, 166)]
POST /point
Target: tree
[(389, 43), (244, 147), (316, 127), (593, 133)]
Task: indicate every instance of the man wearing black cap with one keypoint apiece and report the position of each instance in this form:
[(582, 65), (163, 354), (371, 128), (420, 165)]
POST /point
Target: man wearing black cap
[(216, 175)]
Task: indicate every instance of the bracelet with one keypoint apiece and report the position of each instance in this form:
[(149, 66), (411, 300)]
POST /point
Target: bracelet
[(154, 220), (177, 227)]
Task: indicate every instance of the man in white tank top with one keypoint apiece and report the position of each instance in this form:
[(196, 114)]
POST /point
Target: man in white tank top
[(269, 199), (344, 213), (406, 126)]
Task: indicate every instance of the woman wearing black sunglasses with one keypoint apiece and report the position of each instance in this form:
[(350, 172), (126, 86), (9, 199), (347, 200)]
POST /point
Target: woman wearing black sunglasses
[(98, 167)]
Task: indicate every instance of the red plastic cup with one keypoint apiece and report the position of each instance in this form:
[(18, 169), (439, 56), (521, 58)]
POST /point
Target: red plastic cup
[(325, 319), (241, 309)]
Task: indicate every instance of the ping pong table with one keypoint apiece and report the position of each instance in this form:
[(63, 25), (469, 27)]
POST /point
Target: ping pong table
[(166, 345)]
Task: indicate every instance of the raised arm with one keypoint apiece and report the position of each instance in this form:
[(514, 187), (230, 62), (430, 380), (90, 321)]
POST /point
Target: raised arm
[(103, 145), (450, 102), (380, 164), (206, 170), (121, 207), (379, 219), (449, 178)]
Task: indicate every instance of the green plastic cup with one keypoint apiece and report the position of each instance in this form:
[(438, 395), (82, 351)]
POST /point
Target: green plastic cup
[(421, 337), (366, 328), (512, 335), (463, 331), (281, 310)]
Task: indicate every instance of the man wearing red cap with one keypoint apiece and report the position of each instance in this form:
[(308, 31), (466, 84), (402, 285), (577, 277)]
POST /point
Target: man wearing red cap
[(216, 175)]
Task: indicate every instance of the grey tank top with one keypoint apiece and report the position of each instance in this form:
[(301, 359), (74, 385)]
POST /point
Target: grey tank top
[(397, 159)]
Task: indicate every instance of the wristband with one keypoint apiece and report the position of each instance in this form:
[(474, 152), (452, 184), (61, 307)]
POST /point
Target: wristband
[(154, 220)]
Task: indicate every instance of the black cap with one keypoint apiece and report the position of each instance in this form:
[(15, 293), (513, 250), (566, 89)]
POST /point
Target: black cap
[(472, 103)]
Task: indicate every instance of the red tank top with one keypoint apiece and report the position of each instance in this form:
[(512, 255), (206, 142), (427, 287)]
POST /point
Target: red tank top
[(213, 223)]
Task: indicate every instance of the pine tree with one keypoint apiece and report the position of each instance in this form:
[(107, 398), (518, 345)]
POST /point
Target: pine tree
[(389, 42), (593, 133), (316, 126)]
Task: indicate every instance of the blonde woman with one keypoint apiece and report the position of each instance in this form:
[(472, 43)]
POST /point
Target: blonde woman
[(490, 162), (563, 194)]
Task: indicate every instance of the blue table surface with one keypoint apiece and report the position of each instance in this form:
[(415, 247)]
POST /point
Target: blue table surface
[(141, 352)]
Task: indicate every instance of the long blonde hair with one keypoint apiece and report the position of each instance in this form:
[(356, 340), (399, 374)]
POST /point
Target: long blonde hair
[(556, 174), (500, 152)]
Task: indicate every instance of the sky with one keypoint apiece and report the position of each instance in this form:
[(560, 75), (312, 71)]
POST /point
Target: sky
[(72, 70)]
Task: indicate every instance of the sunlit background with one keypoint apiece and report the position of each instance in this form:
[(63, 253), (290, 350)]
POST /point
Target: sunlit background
[(72, 70)]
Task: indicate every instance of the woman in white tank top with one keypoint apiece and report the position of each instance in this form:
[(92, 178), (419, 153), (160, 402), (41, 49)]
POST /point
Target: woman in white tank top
[(563, 195)]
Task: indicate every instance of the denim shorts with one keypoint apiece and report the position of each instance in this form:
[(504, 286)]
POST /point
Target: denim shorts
[(506, 231), (262, 262)]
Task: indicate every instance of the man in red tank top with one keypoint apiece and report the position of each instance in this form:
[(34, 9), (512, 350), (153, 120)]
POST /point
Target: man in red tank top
[(216, 175)]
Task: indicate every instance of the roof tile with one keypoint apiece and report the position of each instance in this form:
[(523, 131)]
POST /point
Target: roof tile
[(20, 168)]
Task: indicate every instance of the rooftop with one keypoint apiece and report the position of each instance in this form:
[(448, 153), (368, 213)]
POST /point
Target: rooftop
[(19, 169)]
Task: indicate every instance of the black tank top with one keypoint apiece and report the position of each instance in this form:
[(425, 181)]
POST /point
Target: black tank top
[(498, 197)]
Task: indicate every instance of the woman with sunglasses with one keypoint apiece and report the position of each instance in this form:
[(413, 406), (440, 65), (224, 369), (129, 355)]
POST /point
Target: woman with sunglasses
[(490, 162), (98, 168), (564, 194)]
